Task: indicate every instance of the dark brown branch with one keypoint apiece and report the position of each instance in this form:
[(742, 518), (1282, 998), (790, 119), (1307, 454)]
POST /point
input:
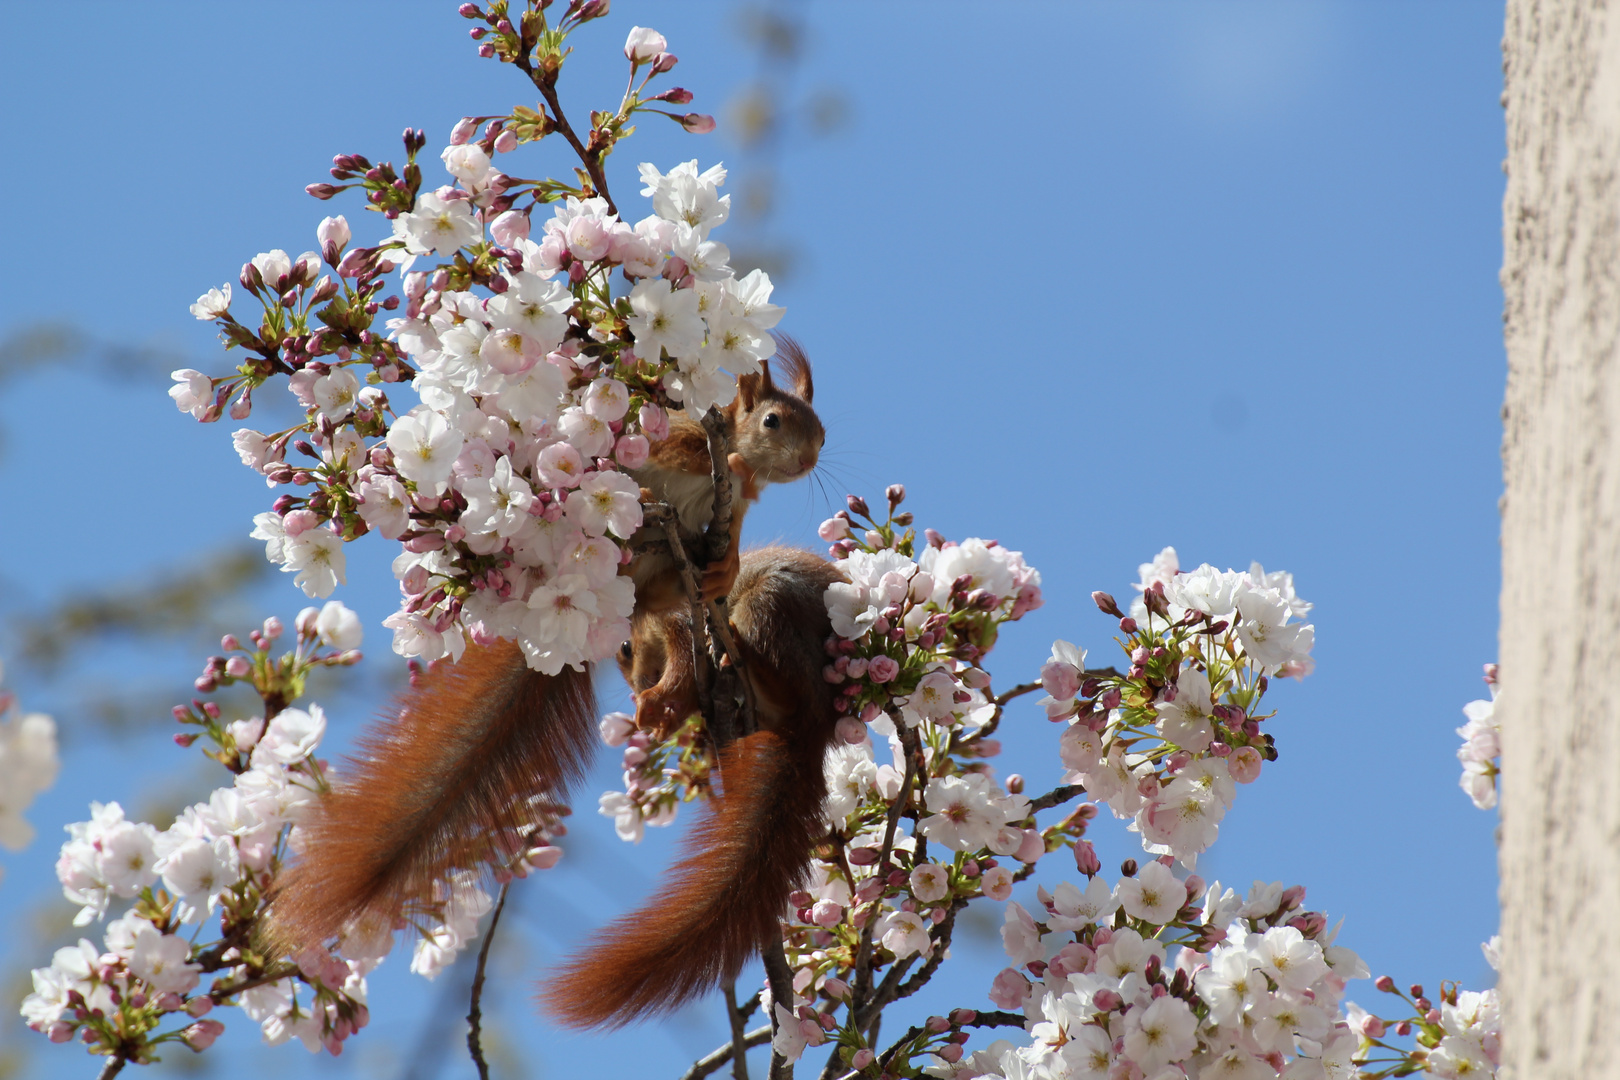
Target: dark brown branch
[(1060, 794), (739, 1037), (114, 1066), (547, 85), (863, 955), (219, 994), (780, 978), (475, 1015), (998, 1019), (1018, 691), (718, 536), (712, 1061)]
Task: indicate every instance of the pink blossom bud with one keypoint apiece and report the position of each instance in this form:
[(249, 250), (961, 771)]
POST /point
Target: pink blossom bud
[(509, 228), (543, 857), (664, 62), (615, 728), (1293, 896), (851, 730), (654, 421), (631, 451), (201, 1035), (300, 521), (1085, 858), (1010, 989), (951, 1052), (863, 856), (1373, 1027), (237, 667), (882, 668), (698, 123), (643, 45), (834, 528), (505, 142), (826, 914), (464, 130), (198, 1006), (59, 1032), (333, 235), (1033, 845), (272, 628)]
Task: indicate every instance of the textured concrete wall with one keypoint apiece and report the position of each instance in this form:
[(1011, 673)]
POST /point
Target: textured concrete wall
[(1560, 635)]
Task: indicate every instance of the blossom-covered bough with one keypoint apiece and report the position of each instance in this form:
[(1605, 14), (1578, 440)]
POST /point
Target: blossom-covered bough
[(486, 423)]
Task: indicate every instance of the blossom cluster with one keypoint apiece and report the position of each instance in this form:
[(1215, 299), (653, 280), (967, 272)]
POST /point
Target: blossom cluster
[(541, 381), (215, 867), (1459, 1040), (910, 630), (28, 765), (1165, 744), (1252, 989), (659, 775), (1481, 750)]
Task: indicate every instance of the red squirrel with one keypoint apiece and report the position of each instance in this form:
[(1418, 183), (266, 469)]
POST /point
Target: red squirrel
[(441, 784), (752, 848)]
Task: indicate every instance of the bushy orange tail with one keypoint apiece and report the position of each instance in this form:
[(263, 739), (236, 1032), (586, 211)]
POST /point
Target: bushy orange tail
[(474, 744), (721, 902)]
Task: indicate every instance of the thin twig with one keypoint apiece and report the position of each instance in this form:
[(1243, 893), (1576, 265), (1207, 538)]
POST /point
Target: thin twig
[(114, 1066), (219, 994), (998, 1019), (712, 1061), (1018, 691), (548, 90), (863, 956), (1060, 794), (476, 1015), (942, 944), (739, 1060)]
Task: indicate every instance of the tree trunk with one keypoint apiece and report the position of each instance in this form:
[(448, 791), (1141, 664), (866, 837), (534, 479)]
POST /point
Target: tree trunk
[(1560, 634)]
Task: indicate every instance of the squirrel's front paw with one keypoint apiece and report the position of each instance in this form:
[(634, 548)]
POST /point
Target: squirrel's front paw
[(660, 711)]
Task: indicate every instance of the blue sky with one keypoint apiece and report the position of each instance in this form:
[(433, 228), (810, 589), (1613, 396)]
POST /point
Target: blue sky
[(1088, 278)]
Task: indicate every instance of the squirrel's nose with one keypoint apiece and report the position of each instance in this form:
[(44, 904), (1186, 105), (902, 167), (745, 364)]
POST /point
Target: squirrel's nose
[(806, 464)]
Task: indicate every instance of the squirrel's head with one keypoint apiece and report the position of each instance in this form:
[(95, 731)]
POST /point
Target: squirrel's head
[(777, 431)]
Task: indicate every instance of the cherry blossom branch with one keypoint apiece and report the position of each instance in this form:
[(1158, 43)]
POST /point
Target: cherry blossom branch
[(739, 1037), (712, 1061), (718, 535), (1060, 794), (114, 1066), (863, 956), (780, 978), (219, 994), (546, 83), (475, 1015)]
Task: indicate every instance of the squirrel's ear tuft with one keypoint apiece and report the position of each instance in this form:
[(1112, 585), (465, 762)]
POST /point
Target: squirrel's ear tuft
[(795, 367), (749, 391)]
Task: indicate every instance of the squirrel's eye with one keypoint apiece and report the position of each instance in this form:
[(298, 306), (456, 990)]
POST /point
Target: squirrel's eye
[(772, 420), (625, 651)]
